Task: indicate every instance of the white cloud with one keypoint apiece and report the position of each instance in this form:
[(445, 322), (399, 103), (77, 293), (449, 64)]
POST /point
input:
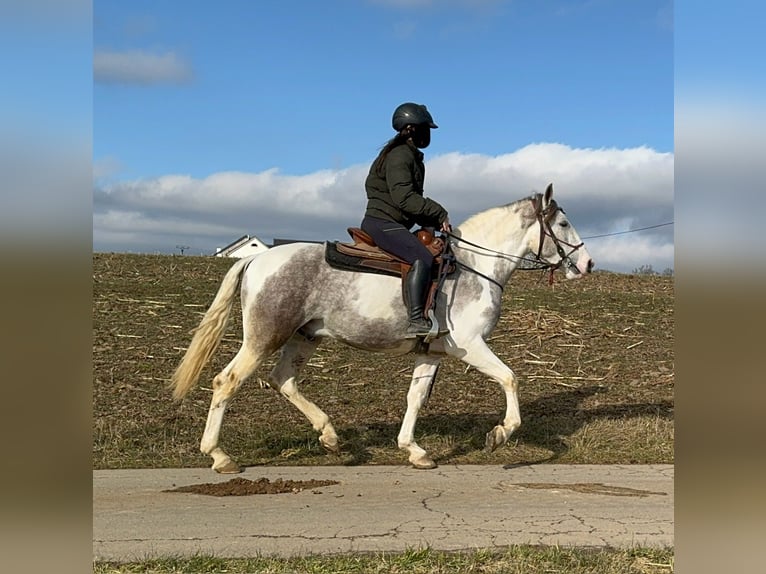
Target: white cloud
[(586, 172), (629, 252), (141, 68), (603, 191), (138, 223)]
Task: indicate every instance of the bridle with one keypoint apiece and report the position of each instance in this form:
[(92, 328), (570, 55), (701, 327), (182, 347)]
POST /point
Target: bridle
[(544, 218)]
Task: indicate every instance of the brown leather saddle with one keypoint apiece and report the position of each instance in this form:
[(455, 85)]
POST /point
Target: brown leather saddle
[(364, 256)]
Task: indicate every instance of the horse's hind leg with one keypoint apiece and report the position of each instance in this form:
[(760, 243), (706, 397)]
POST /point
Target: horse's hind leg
[(294, 355), (420, 386), (225, 384)]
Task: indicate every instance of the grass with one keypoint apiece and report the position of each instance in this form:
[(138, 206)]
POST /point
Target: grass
[(514, 560)]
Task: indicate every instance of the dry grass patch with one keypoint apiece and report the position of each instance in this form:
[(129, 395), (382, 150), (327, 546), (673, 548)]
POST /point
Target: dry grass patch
[(639, 440), (594, 357)]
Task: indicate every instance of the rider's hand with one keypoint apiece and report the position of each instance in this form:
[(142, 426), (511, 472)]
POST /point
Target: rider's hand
[(446, 225)]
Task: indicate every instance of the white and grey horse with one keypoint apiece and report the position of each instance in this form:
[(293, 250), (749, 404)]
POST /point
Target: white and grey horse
[(292, 299)]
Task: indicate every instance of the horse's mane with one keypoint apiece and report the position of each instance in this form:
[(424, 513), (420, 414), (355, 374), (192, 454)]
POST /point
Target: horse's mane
[(479, 220)]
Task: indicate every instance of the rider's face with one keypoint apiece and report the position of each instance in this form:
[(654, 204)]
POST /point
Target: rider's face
[(421, 136)]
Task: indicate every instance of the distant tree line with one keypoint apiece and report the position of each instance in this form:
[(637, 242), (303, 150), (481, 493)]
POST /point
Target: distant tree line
[(648, 270)]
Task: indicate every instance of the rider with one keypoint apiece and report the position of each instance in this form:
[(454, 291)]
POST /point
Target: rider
[(395, 203)]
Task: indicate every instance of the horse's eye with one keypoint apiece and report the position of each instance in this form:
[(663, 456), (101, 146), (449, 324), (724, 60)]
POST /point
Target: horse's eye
[(564, 223)]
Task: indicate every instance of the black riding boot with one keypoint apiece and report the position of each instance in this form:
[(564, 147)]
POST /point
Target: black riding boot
[(415, 294)]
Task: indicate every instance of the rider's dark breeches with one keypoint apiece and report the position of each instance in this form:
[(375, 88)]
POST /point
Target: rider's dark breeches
[(397, 239)]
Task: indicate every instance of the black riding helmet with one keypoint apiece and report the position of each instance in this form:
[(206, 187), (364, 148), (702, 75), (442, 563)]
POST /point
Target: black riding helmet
[(410, 113)]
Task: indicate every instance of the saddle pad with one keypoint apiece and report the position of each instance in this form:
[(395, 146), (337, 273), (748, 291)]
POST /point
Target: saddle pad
[(361, 263), (365, 251)]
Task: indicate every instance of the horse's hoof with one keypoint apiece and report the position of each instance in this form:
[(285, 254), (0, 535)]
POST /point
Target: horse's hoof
[(230, 467), (330, 445), (495, 438), (423, 463)]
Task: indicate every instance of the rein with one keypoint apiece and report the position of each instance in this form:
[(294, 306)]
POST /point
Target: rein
[(480, 274), (471, 269)]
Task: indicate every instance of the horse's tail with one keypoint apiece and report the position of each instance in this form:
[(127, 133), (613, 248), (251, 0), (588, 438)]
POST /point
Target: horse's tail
[(208, 334)]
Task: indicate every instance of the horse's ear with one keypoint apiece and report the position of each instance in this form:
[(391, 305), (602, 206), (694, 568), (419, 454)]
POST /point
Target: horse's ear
[(547, 196)]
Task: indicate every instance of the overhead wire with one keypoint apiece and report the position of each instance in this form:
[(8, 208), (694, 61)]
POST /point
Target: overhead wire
[(629, 231)]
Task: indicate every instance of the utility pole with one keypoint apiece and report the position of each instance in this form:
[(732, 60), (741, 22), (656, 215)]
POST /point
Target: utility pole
[(182, 248)]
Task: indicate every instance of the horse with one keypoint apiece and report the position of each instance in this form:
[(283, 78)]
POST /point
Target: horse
[(292, 299)]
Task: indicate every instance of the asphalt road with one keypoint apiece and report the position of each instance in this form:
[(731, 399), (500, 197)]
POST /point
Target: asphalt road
[(382, 508)]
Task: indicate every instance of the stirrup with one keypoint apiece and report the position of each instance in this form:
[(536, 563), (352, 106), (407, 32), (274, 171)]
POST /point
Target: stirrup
[(435, 332), (415, 331), (427, 333)]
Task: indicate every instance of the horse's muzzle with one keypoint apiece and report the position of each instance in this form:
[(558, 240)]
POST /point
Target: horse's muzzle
[(583, 266)]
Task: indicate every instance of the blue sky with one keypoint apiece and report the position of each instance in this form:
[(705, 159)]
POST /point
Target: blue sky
[(273, 111)]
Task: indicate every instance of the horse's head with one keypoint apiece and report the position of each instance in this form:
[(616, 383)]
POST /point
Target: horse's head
[(559, 244)]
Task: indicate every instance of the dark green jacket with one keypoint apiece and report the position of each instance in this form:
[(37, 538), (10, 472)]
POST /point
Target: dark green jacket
[(396, 192)]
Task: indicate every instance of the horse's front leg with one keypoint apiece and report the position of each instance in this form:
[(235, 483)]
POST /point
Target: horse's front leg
[(478, 355), (420, 386)]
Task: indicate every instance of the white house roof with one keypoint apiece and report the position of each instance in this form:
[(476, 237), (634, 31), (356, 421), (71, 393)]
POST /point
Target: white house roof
[(245, 245)]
